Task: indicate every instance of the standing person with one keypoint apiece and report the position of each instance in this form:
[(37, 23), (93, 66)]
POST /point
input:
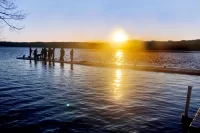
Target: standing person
[(53, 52), (49, 53), (42, 53), (62, 53), (72, 55), (30, 52), (35, 54), (45, 53)]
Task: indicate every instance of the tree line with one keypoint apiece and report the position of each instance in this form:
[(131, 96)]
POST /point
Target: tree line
[(184, 45)]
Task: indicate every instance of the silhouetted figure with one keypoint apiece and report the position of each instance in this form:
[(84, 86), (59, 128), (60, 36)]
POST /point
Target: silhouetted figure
[(42, 53), (49, 53), (72, 55), (35, 54), (30, 52), (39, 56), (53, 53), (45, 53), (62, 53)]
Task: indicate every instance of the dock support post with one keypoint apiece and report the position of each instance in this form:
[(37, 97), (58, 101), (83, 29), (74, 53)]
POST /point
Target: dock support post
[(187, 106), (185, 119)]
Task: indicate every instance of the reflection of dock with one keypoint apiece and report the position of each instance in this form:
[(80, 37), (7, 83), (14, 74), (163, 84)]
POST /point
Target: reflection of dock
[(135, 67)]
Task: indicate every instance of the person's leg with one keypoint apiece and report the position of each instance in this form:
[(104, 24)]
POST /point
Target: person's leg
[(62, 58)]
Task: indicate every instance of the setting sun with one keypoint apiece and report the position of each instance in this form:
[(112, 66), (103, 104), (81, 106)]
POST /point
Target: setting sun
[(120, 36)]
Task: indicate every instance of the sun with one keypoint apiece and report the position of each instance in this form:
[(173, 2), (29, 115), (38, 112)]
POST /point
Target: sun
[(119, 37)]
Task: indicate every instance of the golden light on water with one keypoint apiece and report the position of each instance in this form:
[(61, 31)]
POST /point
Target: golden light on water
[(119, 57), (117, 84)]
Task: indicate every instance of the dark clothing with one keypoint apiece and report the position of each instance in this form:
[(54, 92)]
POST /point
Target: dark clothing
[(30, 52), (53, 53), (42, 53), (35, 54), (49, 53), (45, 53), (71, 55), (62, 53)]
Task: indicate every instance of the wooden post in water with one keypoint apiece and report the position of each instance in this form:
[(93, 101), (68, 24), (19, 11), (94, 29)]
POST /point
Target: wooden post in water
[(71, 57), (187, 105), (185, 119)]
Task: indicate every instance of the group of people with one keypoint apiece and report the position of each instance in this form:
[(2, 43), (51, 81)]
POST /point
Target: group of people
[(49, 54)]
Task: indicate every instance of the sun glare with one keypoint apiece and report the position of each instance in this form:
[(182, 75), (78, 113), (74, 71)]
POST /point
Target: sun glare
[(120, 37), (119, 57), (117, 84)]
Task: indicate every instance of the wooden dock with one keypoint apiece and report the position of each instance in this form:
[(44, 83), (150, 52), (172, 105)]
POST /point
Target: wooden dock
[(195, 124), (127, 66), (190, 125)]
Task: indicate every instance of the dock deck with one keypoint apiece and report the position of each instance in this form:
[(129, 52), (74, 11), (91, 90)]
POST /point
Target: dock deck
[(127, 66), (195, 124)]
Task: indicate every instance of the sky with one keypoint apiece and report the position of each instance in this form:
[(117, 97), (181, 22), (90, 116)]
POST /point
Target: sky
[(96, 20)]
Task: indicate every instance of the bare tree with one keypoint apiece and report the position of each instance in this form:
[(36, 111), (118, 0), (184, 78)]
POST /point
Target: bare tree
[(8, 12)]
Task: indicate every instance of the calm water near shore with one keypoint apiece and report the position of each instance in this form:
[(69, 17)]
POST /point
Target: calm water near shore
[(47, 97)]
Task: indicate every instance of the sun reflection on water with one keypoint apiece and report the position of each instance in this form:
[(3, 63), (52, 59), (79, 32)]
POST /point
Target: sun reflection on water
[(119, 57), (117, 84)]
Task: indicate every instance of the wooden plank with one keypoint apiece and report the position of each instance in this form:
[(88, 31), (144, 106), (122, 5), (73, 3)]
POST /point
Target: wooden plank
[(195, 124)]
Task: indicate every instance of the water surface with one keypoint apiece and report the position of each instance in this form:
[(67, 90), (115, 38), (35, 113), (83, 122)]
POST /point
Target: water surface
[(47, 97)]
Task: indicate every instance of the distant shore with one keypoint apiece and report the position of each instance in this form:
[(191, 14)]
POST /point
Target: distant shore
[(131, 45), (152, 51)]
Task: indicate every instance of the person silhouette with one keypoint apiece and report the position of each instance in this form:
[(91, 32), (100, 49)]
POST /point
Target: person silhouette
[(53, 53), (30, 52), (42, 53), (45, 53), (49, 53), (62, 53), (35, 54), (72, 54)]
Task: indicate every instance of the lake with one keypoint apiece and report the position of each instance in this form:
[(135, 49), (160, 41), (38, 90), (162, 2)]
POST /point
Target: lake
[(49, 97)]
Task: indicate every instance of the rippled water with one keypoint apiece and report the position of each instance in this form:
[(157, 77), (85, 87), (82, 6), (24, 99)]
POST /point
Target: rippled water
[(39, 97)]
